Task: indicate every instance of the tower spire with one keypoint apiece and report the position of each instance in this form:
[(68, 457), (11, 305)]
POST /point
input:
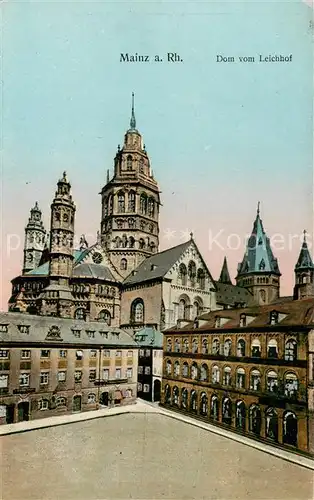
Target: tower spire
[(133, 120)]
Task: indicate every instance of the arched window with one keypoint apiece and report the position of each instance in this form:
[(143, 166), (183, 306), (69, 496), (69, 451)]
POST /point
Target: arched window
[(256, 348), (214, 407), (272, 424), (240, 380), (61, 401), (185, 370), (203, 404), (177, 345), (241, 348), (167, 394), (227, 376), (91, 398), (255, 419), (196, 309), (272, 349), (240, 415), (195, 346), (169, 345), (204, 373), (175, 396), (255, 380), (290, 428), (192, 272), (151, 207), (261, 265), (80, 313), (194, 371), (227, 347), (182, 275), (215, 346), (215, 374), (121, 203), (168, 367), (105, 317), (118, 242), (123, 265), (201, 279), (141, 165), (129, 162), (291, 350), (141, 243), (184, 398), (137, 311), (131, 202), (124, 241), (176, 369), (272, 381), (186, 345), (184, 309), (193, 401), (204, 346), (226, 411), (291, 385), (143, 203), (131, 242), (262, 295)]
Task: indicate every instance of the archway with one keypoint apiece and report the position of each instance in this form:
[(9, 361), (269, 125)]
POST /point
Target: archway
[(290, 428), (104, 399), (23, 411), (157, 390)]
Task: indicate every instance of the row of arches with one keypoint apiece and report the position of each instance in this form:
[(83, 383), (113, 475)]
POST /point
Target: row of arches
[(129, 242), (104, 315), (235, 413), (186, 307), (288, 386), (197, 345), (126, 202), (189, 276)]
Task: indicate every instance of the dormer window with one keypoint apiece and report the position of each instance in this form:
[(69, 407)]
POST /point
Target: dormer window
[(153, 267), (4, 328), (103, 334), (23, 328), (273, 317), (90, 334), (217, 322), (242, 320), (77, 333)]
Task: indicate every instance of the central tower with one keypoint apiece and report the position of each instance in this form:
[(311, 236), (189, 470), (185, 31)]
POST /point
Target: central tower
[(130, 205)]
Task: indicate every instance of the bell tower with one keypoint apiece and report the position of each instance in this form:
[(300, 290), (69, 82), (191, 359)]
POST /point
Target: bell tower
[(35, 236), (57, 297), (304, 273), (130, 205)]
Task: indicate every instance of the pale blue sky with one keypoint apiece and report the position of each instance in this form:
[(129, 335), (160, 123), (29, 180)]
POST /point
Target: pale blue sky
[(220, 136)]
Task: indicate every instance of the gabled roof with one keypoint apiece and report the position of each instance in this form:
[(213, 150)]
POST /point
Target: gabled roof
[(305, 260), (224, 274), (230, 295), (258, 257), (158, 265)]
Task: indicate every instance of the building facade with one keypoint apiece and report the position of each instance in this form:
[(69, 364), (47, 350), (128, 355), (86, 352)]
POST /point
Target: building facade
[(53, 366), (150, 355), (249, 370)]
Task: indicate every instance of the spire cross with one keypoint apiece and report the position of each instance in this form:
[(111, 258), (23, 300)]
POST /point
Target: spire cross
[(191, 235), (258, 204), (304, 234), (133, 121)]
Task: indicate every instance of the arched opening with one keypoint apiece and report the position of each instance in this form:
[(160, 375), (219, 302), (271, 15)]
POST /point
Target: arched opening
[(226, 411), (291, 350), (204, 373), (214, 408), (203, 404), (240, 415), (272, 348), (256, 348), (137, 311), (129, 162), (255, 419), (272, 381), (104, 398), (167, 394), (131, 202), (201, 279), (176, 369), (23, 411), (185, 370), (77, 403), (123, 265), (182, 275), (168, 367), (194, 371), (215, 374), (143, 203), (192, 273), (157, 389), (272, 424), (105, 317), (184, 398), (240, 381), (241, 348), (80, 313), (291, 385), (290, 428), (121, 202), (193, 402), (227, 375), (175, 396), (255, 380)]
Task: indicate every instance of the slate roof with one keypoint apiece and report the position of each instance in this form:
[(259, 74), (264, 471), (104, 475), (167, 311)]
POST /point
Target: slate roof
[(228, 294), (158, 265), (40, 325), (93, 271), (291, 313), (149, 336), (305, 260), (258, 257), (43, 270)]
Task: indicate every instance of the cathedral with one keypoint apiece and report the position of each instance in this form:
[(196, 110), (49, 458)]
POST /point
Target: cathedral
[(123, 279)]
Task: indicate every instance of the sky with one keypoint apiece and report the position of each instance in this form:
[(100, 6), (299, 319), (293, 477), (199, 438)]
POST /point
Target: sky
[(220, 136)]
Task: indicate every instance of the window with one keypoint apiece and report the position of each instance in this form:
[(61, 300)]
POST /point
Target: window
[(151, 207), (272, 381), (4, 328), (184, 309), (105, 374), (137, 311), (168, 367), (147, 370), (214, 407), (93, 353), (272, 424), (130, 354), (186, 345), (290, 428), (227, 347), (129, 373), (169, 345), (291, 385), (194, 371), (240, 379), (176, 369), (24, 379), (123, 265), (185, 370), (192, 273), (226, 411), (201, 279), (143, 203), (241, 348), (182, 276), (61, 401), (90, 334), (62, 354), (77, 376), (227, 376), (146, 388), (274, 317), (118, 354), (215, 346), (194, 346), (197, 308), (204, 373), (177, 345), (4, 354), (91, 398), (106, 353), (256, 348), (242, 320), (79, 355), (139, 387), (43, 404), (215, 374), (129, 162), (291, 349), (23, 328), (44, 378), (121, 203), (142, 353), (4, 381), (204, 346), (255, 380), (92, 375), (272, 349), (131, 202), (240, 415), (45, 353), (76, 333), (105, 317), (62, 376), (79, 314), (118, 373), (147, 353), (255, 420)]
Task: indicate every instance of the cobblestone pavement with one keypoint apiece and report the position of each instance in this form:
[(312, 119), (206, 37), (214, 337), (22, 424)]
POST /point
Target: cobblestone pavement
[(142, 456)]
